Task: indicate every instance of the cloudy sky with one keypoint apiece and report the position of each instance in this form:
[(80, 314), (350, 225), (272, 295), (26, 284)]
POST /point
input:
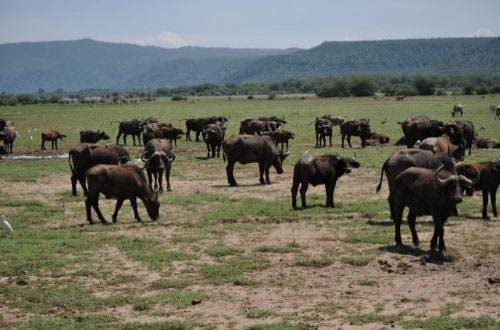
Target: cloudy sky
[(244, 24)]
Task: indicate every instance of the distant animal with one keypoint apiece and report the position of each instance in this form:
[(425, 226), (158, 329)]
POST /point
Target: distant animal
[(197, 124), (496, 110), (402, 159), (171, 134), (457, 109), (89, 136), (427, 192), (8, 135), (158, 157), (213, 135), (325, 170), (488, 182), (460, 130), (323, 129), (444, 145), (381, 138), (355, 127), (281, 137), (52, 136), (121, 182), (252, 149), (86, 155), (487, 143), (400, 97)]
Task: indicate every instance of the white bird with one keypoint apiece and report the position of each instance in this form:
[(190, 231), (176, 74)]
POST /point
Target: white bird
[(6, 224)]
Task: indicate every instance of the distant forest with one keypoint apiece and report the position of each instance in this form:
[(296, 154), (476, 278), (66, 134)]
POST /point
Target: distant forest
[(332, 68)]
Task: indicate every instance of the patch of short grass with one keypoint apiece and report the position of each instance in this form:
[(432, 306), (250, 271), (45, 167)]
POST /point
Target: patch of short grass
[(277, 326), (362, 319), (286, 248), (314, 262), (223, 250), (258, 313), (449, 323), (358, 260), (231, 270)]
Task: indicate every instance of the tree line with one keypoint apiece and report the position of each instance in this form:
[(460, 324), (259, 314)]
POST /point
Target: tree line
[(344, 86)]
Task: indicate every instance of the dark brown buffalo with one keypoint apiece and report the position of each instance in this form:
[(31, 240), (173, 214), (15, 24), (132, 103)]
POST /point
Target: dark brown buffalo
[(356, 127), (158, 157), (252, 149), (403, 159), (427, 192), (132, 127), (325, 170), (3, 123), (171, 134), (457, 109), (197, 124), (121, 182), (213, 135), (461, 130), (51, 136), (419, 128), (281, 137), (89, 136), (444, 145), (323, 129), (8, 135), (381, 138), (151, 131), (257, 126), (335, 120), (487, 143), (488, 182), (86, 155)]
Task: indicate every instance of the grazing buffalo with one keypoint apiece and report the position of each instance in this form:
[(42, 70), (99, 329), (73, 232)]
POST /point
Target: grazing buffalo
[(460, 130), (252, 149), (487, 143), (121, 182), (403, 159), (356, 127), (488, 182), (8, 135), (158, 157), (419, 128), (427, 192), (86, 155), (281, 137), (133, 127), (444, 145), (323, 129), (457, 109), (171, 133), (89, 136), (51, 136), (213, 135), (197, 124), (325, 170)]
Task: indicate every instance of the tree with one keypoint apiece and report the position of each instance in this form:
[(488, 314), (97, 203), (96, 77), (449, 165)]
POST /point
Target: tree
[(424, 85), (363, 87)]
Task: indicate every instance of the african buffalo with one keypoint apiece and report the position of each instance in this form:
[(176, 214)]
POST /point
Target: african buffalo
[(487, 143), (171, 133), (3, 123), (419, 128), (213, 135), (488, 182), (89, 136), (132, 127), (356, 127), (403, 159), (444, 145), (197, 124), (381, 138), (323, 129), (86, 155), (325, 170), (158, 157), (335, 120), (461, 130), (427, 192), (252, 149), (8, 135), (151, 131), (52, 136), (121, 182), (259, 127), (281, 137), (457, 109)]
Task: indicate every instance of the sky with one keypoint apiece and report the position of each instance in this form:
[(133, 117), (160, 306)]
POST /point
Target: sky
[(244, 24)]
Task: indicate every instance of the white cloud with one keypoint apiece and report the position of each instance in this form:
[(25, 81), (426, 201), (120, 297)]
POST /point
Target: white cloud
[(482, 32), (166, 40)]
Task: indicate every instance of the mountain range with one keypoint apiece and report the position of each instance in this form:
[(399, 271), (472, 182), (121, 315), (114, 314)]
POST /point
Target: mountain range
[(86, 63)]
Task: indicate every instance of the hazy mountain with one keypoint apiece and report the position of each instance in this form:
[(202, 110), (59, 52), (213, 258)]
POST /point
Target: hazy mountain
[(82, 64)]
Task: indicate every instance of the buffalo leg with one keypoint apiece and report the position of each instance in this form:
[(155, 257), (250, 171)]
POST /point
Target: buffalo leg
[(41, 148), (349, 141), (493, 198), (133, 202), (218, 151), (167, 177), (230, 174), (330, 139), (160, 179), (118, 206), (412, 217), (398, 215), (73, 184), (94, 201), (118, 138), (295, 188), (485, 203), (343, 138), (303, 190), (261, 173), (150, 179), (88, 207)]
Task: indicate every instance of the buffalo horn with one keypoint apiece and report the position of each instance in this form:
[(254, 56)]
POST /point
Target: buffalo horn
[(442, 182)]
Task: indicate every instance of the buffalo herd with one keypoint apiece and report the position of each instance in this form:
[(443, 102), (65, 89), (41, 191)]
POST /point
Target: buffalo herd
[(429, 177)]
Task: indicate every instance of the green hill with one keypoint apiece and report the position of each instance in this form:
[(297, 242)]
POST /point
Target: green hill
[(84, 64)]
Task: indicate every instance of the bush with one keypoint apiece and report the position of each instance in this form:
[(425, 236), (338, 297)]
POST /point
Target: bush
[(424, 85), (179, 98)]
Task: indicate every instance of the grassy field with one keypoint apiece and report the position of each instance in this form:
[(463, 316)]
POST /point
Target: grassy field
[(225, 257)]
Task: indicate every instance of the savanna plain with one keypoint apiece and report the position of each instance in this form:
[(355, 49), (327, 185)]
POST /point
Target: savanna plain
[(223, 257)]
